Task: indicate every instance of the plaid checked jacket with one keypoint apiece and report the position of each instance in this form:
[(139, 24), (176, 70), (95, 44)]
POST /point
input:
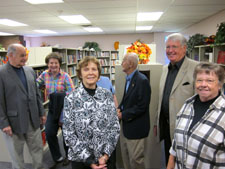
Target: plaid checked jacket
[(204, 146)]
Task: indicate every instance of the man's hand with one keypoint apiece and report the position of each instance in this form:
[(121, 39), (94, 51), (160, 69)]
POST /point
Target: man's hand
[(155, 130), (119, 114), (43, 120), (7, 130)]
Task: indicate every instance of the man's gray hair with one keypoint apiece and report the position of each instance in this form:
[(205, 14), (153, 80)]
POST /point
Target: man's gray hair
[(12, 48), (177, 37)]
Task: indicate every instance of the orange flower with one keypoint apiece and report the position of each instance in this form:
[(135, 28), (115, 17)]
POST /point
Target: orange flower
[(142, 50)]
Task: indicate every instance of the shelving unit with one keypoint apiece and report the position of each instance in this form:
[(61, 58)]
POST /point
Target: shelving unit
[(209, 53), (2, 56), (108, 61)]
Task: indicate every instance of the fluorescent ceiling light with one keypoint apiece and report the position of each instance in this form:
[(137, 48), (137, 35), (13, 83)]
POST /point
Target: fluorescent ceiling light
[(45, 31), (149, 16), (93, 29), (143, 28), (9, 22), (43, 1), (5, 34), (75, 19)]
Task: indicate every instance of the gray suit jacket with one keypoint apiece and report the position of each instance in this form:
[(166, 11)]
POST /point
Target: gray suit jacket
[(182, 89), (17, 106)]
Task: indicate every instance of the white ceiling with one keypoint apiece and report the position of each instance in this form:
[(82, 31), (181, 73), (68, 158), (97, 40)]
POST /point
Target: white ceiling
[(112, 16)]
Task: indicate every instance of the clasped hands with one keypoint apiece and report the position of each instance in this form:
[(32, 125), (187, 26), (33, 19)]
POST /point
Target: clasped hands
[(101, 163)]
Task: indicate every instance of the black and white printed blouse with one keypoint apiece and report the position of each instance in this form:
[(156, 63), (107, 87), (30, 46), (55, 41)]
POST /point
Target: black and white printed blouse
[(90, 125)]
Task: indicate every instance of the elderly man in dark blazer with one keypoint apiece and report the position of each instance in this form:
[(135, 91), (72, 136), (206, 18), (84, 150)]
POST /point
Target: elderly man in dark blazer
[(21, 110), (134, 113)]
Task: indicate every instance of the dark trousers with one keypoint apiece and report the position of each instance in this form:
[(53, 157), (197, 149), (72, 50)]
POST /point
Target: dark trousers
[(167, 142), (79, 165), (51, 129), (111, 164)]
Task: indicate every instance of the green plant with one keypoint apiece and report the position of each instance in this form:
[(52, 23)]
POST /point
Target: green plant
[(197, 39), (93, 45), (220, 34)]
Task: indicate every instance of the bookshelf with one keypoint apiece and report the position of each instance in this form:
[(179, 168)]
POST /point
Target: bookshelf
[(209, 53), (2, 57), (108, 61)]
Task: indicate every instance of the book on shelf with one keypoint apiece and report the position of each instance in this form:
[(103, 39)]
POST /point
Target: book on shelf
[(115, 55), (44, 96), (75, 81), (112, 69), (71, 59), (72, 70), (105, 54), (221, 57), (104, 62)]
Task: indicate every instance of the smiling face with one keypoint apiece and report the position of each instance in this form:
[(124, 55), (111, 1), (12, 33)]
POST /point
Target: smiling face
[(175, 51), (207, 86), (53, 66), (90, 75)]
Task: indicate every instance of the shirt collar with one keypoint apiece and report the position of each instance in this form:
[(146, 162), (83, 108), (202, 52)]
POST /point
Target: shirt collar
[(177, 65), (60, 72), (129, 77)]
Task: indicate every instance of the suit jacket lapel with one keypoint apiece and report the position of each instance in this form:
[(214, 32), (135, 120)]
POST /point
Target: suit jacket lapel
[(132, 84), (15, 78), (180, 75), (163, 80)]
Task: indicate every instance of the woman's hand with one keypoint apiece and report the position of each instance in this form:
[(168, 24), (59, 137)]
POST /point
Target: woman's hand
[(100, 166), (103, 159), (171, 162)]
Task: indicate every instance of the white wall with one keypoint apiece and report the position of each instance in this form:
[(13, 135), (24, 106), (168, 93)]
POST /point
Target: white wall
[(208, 26), (106, 42)]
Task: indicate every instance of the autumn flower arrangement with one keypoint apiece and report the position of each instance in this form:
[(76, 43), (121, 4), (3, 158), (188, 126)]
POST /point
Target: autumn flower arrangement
[(142, 50)]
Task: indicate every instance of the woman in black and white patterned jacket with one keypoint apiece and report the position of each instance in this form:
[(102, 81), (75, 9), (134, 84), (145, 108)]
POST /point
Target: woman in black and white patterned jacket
[(91, 126)]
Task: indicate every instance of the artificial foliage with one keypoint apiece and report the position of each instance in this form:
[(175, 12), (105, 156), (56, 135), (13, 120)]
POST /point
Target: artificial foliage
[(142, 50), (91, 45), (220, 34), (197, 39)]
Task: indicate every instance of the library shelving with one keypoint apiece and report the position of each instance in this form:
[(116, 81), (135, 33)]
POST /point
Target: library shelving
[(209, 53), (3, 58), (108, 61)]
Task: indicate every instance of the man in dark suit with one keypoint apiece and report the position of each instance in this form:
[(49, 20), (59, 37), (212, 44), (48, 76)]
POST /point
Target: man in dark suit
[(21, 110), (134, 113)]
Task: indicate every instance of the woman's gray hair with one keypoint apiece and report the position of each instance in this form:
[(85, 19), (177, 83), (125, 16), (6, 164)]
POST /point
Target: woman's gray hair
[(206, 67), (177, 37)]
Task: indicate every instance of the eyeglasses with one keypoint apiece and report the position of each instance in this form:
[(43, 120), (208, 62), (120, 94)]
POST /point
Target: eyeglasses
[(172, 47), (208, 81)]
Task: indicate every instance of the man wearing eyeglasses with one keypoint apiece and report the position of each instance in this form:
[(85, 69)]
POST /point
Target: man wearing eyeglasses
[(176, 85)]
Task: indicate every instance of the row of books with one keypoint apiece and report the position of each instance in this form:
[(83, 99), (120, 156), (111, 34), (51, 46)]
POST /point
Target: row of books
[(39, 71), (113, 70), (105, 70), (75, 81), (115, 55), (72, 70), (104, 62), (71, 59)]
